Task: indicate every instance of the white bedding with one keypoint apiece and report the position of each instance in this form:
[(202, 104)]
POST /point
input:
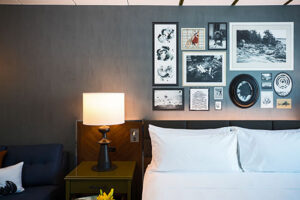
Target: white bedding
[(221, 186)]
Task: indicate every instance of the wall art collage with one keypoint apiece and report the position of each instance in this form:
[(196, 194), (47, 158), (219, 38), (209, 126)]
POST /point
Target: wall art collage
[(258, 46)]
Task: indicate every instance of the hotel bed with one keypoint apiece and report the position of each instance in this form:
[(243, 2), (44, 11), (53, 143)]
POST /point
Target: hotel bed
[(218, 185)]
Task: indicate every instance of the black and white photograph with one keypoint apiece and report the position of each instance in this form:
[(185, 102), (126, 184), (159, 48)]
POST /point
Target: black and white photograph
[(266, 99), (199, 99), (165, 67), (283, 84), (218, 105), (266, 76), (193, 38), (217, 36), (266, 85), (218, 93), (168, 99), (207, 68), (262, 46)]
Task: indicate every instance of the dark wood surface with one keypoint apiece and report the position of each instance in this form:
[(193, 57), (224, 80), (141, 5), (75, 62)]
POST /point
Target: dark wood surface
[(88, 147)]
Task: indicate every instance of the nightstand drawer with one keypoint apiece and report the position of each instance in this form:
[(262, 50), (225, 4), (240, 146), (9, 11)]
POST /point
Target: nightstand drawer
[(93, 186)]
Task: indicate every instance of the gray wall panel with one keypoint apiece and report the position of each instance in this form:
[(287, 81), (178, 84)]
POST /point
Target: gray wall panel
[(49, 55)]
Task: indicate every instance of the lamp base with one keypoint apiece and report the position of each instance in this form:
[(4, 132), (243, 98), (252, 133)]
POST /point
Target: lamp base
[(104, 163), (97, 169)]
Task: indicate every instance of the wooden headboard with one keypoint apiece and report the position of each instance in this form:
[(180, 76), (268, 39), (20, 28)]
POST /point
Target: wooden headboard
[(252, 124)]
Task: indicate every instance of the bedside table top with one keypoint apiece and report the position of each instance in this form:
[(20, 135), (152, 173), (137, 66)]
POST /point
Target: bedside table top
[(124, 170)]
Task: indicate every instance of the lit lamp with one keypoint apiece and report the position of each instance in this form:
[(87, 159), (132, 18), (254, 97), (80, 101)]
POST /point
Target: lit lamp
[(103, 109)]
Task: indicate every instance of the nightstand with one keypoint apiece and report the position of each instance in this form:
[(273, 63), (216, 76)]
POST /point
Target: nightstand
[(83, 180)]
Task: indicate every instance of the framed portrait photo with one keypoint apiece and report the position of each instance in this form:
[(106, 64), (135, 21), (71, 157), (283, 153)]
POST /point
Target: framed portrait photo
[(199, 99), (168, 99), (262, 46), (217, 36), (204, 68), (193, 38), (165, 56)]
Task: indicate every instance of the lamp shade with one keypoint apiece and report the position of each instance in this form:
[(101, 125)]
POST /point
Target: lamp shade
[(103, 108)]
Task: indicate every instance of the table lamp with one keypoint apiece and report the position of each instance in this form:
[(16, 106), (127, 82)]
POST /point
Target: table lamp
[(103, 109)]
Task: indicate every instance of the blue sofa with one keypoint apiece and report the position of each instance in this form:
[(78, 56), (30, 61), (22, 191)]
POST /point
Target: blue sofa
[(43, 171)]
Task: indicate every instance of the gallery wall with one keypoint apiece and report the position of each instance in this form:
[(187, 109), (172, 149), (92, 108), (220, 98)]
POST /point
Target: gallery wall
[(50, 55)]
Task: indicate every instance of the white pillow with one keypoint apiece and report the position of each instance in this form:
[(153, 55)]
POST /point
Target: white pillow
[(269, 151), (14, 174), (206, 150)]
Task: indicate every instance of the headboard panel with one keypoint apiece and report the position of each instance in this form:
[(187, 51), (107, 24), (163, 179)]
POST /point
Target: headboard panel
[(205, 124)]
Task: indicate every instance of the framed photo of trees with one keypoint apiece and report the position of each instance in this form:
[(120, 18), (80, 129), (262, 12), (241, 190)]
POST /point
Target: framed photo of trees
[(261, 46)]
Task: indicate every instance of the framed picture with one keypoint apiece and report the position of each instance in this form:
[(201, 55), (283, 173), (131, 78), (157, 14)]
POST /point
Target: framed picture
[(206, 68), (266, 100), (284, 104), (218, 105), (218, 93), (262, 46), (266, 76), (266, 85), (199, 99), (168, 99), (244, 91), (165, 56), (193, 38), (283, 84), (217, 36)]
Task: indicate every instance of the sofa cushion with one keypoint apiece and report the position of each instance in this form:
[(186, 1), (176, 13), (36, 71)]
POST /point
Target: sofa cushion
[(42, 163), (31, 193)]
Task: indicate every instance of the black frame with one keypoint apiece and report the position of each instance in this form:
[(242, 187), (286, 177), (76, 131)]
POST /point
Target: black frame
[(153, 96), (153, 54), (208, 35), (233, 87), (291, 83), (208, 101)]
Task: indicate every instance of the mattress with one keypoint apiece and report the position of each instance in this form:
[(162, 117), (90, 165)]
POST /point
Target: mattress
[(221, 186)]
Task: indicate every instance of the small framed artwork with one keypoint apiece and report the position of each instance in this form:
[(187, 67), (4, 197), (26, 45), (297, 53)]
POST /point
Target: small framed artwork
[(165, 56), (199, 99), (218, 105), (266, 85), (266, 76), (217, 36), (168, 99), (193, 38), (283, 84), (284, 104), (266, 100), (244, 91), (261, 46), (218, 93), (206, 68)]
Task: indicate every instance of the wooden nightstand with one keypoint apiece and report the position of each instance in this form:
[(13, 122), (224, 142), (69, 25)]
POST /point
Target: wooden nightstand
[(83, 180)]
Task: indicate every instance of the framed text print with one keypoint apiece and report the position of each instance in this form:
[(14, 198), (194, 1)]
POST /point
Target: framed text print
[(165, 57), (262, 46)]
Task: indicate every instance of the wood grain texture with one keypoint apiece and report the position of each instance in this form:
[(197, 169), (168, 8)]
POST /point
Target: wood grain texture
[(88, 147)]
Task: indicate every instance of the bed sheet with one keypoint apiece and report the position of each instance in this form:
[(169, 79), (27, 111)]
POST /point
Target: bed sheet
[(220, 186)]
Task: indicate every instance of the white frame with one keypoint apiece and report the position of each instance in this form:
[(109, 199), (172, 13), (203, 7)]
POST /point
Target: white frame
[(289, 65), (203, 53), (215, 96), (201, 46), (218, 103)]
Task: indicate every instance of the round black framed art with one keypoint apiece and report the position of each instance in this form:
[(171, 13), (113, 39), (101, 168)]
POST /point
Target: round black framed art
[(244, 91)]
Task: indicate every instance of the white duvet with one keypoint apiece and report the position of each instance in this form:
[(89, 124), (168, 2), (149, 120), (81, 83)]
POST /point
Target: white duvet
[(221, 186)]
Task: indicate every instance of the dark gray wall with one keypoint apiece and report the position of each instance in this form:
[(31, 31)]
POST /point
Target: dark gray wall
[(50, 55)]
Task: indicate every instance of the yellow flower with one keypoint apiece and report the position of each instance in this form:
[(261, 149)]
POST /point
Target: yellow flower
[(104, 196)]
